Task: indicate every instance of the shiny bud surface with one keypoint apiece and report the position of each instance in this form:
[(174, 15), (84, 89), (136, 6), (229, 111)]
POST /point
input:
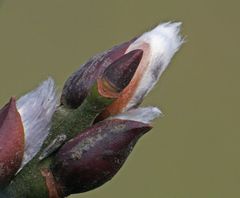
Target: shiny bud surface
[(11, 142), (124, 69), (119, 74)]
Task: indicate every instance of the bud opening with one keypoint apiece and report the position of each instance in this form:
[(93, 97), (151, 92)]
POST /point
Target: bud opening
[(159, 45)]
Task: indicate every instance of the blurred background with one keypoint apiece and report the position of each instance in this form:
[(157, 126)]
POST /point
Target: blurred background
[(194, 150)]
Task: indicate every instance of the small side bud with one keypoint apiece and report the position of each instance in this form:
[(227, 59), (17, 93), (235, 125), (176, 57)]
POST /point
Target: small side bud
[(11, 142), (96, 155)]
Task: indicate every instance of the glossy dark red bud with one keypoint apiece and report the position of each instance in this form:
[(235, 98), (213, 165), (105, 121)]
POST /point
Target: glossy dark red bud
[(11, 142), (79, 83), (121, 72), (96, 155)]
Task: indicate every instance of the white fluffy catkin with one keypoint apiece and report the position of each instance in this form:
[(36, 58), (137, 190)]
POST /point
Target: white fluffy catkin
[(163, 41), (36, 109)]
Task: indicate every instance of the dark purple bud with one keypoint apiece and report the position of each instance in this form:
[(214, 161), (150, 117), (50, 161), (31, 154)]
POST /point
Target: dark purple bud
[(79, 83), (11, 142), (96, 155)]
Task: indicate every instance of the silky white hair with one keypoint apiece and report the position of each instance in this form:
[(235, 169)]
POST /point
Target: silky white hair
[(36, 109), (163, 41), (141, 114)]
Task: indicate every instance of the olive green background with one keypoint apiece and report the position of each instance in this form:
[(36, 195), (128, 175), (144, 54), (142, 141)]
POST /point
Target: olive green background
[(194, 150)]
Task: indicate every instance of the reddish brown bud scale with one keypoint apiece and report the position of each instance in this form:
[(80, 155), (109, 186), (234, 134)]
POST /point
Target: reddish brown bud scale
[(11, 141), (119, 74), (50, 183), (96, 155)]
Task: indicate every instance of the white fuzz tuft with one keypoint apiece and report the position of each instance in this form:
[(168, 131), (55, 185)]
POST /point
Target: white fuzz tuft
[(36, 109), (141, 114), (159, 46)]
